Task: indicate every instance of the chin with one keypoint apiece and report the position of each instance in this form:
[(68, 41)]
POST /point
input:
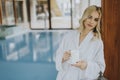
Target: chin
[(90, 28)]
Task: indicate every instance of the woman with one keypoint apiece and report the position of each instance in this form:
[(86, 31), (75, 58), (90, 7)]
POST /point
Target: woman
[(86, 40)]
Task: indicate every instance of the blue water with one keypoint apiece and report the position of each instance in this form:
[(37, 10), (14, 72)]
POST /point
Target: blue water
[(29, 56)]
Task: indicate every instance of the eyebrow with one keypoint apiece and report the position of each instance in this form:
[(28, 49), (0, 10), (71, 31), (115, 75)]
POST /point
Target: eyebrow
[(97, 18), (92, 16)]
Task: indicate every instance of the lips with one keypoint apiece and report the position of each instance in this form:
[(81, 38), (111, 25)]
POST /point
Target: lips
[(89, 25)]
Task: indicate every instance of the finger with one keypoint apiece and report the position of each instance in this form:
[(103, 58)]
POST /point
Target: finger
[(77, 62), (74, 64), (69, 51), (83, 61), (68, 54)]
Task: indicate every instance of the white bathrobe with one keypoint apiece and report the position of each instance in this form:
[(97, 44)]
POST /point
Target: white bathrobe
[(90, 50)]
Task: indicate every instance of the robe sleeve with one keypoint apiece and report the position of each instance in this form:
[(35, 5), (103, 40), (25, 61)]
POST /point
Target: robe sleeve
[(59, 54), (97, 64)]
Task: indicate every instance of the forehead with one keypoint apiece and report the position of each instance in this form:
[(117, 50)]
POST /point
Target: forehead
[(95, 14)]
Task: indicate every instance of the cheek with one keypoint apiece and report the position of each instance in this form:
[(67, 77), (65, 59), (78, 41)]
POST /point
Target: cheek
[(95, 24), (84, 23)]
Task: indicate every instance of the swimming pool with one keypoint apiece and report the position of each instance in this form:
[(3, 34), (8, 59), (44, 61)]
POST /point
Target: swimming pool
[(29, 56)]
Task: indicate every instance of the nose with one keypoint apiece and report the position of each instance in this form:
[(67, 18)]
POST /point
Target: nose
[(91, 21)]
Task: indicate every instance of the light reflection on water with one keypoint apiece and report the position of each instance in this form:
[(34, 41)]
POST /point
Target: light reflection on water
[(29, 56), (31, 47)]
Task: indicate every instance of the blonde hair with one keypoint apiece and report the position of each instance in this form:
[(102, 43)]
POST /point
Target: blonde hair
[(85, 15)]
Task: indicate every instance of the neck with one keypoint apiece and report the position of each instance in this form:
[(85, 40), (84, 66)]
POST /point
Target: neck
[(85, 31)]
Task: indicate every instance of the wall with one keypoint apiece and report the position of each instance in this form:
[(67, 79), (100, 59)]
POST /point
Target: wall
[(111, 26)]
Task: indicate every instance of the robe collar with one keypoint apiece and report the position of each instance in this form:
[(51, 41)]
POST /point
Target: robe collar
[(86, 40)]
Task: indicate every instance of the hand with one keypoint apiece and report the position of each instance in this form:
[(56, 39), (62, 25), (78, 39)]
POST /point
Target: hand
[(66, 56), (81, 64)]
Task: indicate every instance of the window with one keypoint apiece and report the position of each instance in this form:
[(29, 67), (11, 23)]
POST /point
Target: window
[(7, 12), (39, 14), (13, 12), (61, 15), (58, 14), (20, 11), (44, 14)]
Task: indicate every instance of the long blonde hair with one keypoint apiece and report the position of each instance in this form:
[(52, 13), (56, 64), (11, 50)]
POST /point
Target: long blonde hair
[(85, 15)]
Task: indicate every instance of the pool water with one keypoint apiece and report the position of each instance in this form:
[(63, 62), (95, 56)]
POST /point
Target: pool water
[(29, 56)]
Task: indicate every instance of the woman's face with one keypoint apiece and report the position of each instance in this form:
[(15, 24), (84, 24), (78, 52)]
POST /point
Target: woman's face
[(91, 21)]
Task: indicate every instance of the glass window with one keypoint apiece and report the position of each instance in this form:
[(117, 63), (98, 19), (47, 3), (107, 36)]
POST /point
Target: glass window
[(7, 12), (39, 14), (19, 11), (60, 14), (45, 14)]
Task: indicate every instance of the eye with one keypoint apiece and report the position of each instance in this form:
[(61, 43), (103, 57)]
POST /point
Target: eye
[(89, 17), (96, 19)]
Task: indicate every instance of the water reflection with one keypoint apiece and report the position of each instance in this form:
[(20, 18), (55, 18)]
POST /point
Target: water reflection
[(31, 47)]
